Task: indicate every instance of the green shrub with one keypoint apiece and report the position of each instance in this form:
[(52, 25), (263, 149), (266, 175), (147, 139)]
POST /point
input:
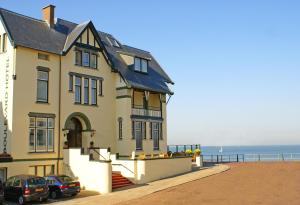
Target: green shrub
[(197, 151), (188, 151)]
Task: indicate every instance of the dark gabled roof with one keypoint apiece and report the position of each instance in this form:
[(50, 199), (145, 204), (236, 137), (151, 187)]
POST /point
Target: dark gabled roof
[(33, 33), (75, 33)]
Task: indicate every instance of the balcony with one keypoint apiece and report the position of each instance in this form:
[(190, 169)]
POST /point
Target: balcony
[(146, 112)]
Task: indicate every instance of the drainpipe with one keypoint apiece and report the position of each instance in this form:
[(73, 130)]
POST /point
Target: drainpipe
[(59, 111)]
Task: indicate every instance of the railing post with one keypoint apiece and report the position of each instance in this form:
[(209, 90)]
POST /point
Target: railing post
[(211, 158), (192, 147), (217, 158), (243, 157), (282, 157), (237, 158), (176, 148), (258, 157), (184, 148)]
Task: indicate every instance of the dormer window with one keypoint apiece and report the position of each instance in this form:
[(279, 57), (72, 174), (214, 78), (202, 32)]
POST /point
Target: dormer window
[(86, 58), (140, 65), (113, 42)]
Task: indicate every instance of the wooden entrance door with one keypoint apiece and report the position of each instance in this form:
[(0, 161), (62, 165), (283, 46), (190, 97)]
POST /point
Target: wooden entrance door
[(75, 134)]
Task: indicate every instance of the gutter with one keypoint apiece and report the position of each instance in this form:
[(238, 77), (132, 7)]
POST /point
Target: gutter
[(59, 116)]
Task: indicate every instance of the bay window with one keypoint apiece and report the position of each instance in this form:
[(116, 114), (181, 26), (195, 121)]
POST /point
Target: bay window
[(41, 134)]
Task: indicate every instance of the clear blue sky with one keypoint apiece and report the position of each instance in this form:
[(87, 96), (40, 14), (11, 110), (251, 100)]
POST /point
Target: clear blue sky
[(236, 64)]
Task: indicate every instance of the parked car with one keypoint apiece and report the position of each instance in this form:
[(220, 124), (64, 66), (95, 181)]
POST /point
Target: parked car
[(62, 185), (26, 188), (1, 193)]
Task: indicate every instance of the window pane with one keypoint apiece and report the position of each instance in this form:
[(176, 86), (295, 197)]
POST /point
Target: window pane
[(86, 95), (137, 64), (42, 75), (31, 122), (71, 83), (94, 61), (144, 66), (94, 96), (4, 42), (41, 139), (50, 123), (94, 84), (78, 57), (31, 139), (77, 81), (77, 94), (78, 90), (86, 59), (42, 91), (50, 139), (41, 122)]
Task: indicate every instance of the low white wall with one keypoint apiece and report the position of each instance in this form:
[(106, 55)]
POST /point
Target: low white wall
[(151, 170), (93, 175), (144, 171)]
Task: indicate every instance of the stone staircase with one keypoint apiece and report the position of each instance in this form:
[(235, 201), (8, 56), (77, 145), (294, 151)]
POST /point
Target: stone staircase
[(118, 181)]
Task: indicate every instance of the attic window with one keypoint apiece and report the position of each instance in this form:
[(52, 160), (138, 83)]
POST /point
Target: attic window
[(113, 42), (43, 56), (140, 65)]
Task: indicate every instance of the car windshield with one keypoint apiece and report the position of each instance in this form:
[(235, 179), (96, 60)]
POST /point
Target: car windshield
[(32, 182), (64, 179)]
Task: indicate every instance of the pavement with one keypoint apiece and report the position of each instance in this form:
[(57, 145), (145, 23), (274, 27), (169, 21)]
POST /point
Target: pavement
[(138, 191)]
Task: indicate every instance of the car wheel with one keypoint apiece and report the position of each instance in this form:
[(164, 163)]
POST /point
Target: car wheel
[(74, 194), (53, 195), (21, 200)]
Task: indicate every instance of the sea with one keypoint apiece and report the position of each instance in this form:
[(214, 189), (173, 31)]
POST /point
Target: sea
[(263, 149), (247, 153)]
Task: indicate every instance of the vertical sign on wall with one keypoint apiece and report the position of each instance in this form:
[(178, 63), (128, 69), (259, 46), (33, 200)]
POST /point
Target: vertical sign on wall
[(5, 156), (6, 106)]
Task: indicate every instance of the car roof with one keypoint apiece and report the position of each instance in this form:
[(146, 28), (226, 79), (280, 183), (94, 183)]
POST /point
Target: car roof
[(26, 176)]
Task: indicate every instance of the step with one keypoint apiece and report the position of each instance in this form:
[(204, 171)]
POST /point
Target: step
[(119, 181), (120, 185)]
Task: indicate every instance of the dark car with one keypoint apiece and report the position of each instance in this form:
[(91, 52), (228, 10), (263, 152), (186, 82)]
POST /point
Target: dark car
[(1, 192), (62, 185), (25, 188)]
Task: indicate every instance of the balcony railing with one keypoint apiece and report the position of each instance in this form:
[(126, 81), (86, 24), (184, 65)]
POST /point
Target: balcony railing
[(146, 112)]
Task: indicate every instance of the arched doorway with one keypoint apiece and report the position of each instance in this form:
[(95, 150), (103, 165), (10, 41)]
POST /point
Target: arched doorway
[(74, 136)]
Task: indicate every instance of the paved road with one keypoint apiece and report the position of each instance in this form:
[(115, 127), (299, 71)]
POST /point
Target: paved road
[(264, 183)]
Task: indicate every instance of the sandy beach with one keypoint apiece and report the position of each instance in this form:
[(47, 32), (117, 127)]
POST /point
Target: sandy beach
[(267, 183)]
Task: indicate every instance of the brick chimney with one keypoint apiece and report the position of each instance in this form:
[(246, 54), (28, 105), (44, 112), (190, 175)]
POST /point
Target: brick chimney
[(48, 15)]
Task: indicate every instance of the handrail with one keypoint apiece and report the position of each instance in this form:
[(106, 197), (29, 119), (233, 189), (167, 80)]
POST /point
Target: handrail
[(94, 149), (123, 166)]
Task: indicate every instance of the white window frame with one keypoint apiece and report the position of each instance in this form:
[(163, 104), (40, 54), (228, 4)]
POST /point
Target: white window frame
[(33, 125)]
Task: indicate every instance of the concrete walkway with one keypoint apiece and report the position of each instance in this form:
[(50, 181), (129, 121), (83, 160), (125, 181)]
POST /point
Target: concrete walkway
[(140, 191)]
